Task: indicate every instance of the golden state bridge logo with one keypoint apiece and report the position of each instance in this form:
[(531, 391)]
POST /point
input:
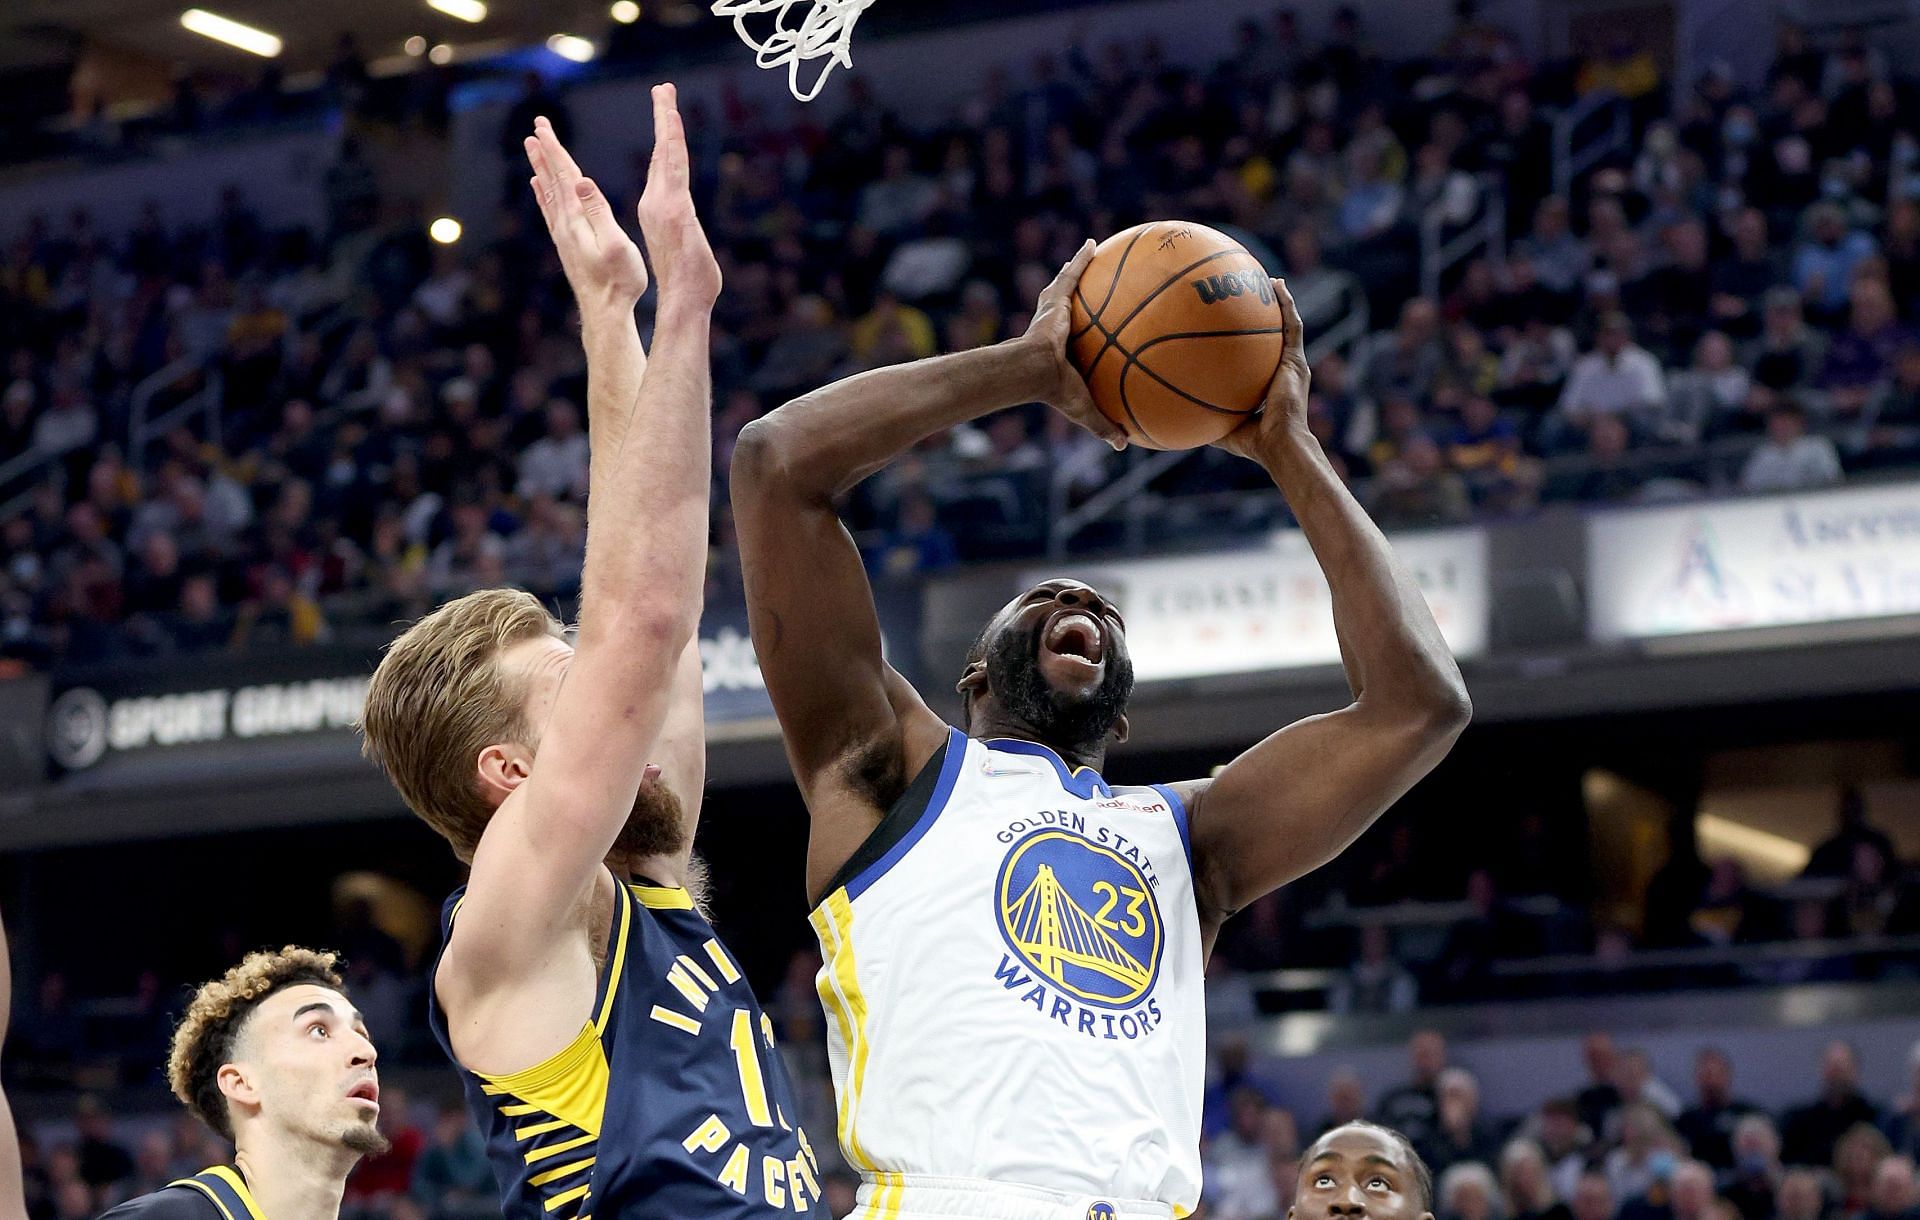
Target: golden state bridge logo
[(1083, 917)]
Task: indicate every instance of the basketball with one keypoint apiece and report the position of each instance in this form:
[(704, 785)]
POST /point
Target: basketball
[(1177, 332)]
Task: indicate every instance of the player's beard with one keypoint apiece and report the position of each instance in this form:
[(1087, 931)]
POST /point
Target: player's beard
[(655, 827), (365, 1139), (1071, 724)]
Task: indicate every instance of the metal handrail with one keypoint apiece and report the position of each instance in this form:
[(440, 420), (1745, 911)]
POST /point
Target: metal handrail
[(141, 431), (1345, 334), (1569, 162), (1487, 231), (1711, 955), (16, 469), (1129, 491)]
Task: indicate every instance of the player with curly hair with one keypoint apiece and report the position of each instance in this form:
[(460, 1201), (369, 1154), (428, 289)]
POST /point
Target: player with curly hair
[(275, 1058)]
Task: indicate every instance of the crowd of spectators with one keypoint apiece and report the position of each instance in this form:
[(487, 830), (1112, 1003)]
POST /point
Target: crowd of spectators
[(1395, 924), (1622, 1144), (1614, 1147), (1726, 303), (1618, 1143)]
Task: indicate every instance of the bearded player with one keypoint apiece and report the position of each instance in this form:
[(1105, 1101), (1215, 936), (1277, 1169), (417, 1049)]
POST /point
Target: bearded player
[(611, 1052), (1014, 947)]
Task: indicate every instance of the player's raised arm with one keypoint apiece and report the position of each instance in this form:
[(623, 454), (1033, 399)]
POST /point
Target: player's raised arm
[(1297, 799), (854, 728), (640, 590), (604, 268)]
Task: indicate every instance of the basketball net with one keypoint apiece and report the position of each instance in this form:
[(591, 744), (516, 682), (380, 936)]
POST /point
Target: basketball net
[(824, 31)]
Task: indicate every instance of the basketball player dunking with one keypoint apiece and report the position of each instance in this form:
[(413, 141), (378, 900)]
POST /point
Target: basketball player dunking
[(611, 1052), (1013, 946)]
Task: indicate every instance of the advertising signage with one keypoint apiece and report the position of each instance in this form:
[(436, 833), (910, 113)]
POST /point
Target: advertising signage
[(98, 714), (1270, 609), (1819, 557)]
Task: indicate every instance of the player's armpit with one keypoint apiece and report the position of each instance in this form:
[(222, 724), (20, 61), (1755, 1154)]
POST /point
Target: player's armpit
[(817, 635), (1299, 798)]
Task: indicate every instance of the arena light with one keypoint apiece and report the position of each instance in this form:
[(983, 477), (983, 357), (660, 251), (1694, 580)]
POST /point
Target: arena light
[(231, 32), (445, 230), (441, 54), (416, 46), (626, 12), (465, 10), (1718, 834), (572, 46)]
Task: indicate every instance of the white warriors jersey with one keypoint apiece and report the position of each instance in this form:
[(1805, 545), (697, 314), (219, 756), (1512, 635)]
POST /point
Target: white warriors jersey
[(1013, 977)]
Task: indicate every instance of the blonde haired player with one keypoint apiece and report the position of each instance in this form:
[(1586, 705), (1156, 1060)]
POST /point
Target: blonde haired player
[(1014, 947), (611, 1052)]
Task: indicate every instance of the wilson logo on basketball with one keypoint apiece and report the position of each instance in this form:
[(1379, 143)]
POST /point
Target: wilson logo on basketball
[(1234, 284)]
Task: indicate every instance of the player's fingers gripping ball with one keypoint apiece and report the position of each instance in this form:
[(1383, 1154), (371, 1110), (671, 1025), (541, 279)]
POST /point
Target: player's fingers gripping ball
[(1177, 332)]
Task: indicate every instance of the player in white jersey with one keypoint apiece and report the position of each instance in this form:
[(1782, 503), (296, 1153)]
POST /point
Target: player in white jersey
[(1014, 947)]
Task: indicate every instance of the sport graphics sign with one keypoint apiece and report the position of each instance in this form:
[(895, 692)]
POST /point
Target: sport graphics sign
[(130, 709), (104, 712), (1270, 609), (1785, 560)]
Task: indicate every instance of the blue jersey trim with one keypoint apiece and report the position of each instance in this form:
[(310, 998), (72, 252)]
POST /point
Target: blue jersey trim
[(1179, 819), (1081, 781), (942, 791)]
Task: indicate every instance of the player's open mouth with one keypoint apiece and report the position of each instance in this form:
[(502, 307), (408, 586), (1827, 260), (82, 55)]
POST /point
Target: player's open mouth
[(1075, 634), (366, 1090)]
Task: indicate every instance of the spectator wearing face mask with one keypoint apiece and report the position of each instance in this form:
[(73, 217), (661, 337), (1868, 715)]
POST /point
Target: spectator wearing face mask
[(1753, 1182)]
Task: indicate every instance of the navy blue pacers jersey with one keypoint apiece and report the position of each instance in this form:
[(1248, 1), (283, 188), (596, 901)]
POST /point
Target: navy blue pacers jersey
[(672, 1102)]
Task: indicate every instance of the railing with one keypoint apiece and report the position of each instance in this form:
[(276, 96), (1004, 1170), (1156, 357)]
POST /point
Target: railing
[(143, 430), (1343, 335), (1128, 493), (1580, 143), (17, 483), (1485, 233)]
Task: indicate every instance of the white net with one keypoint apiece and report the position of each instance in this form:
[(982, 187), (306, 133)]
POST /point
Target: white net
[(780, 38)]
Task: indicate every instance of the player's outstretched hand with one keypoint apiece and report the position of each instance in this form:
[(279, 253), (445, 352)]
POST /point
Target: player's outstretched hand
[(676, 244), (1064, 389), (1285, 408), (601, 261)]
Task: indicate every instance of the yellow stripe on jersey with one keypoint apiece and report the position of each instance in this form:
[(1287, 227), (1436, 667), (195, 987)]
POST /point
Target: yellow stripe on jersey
[(554, 1175), (565, 1197), (570, 1085), (226, 1174), (830, 1000), (615, 967), (527, 1133), (663, 897), (840, 991), (895, 1188), (552, 1150), (206, 1190)]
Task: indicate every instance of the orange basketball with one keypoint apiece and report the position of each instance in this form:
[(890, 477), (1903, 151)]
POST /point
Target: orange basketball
[(1176, 329)]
